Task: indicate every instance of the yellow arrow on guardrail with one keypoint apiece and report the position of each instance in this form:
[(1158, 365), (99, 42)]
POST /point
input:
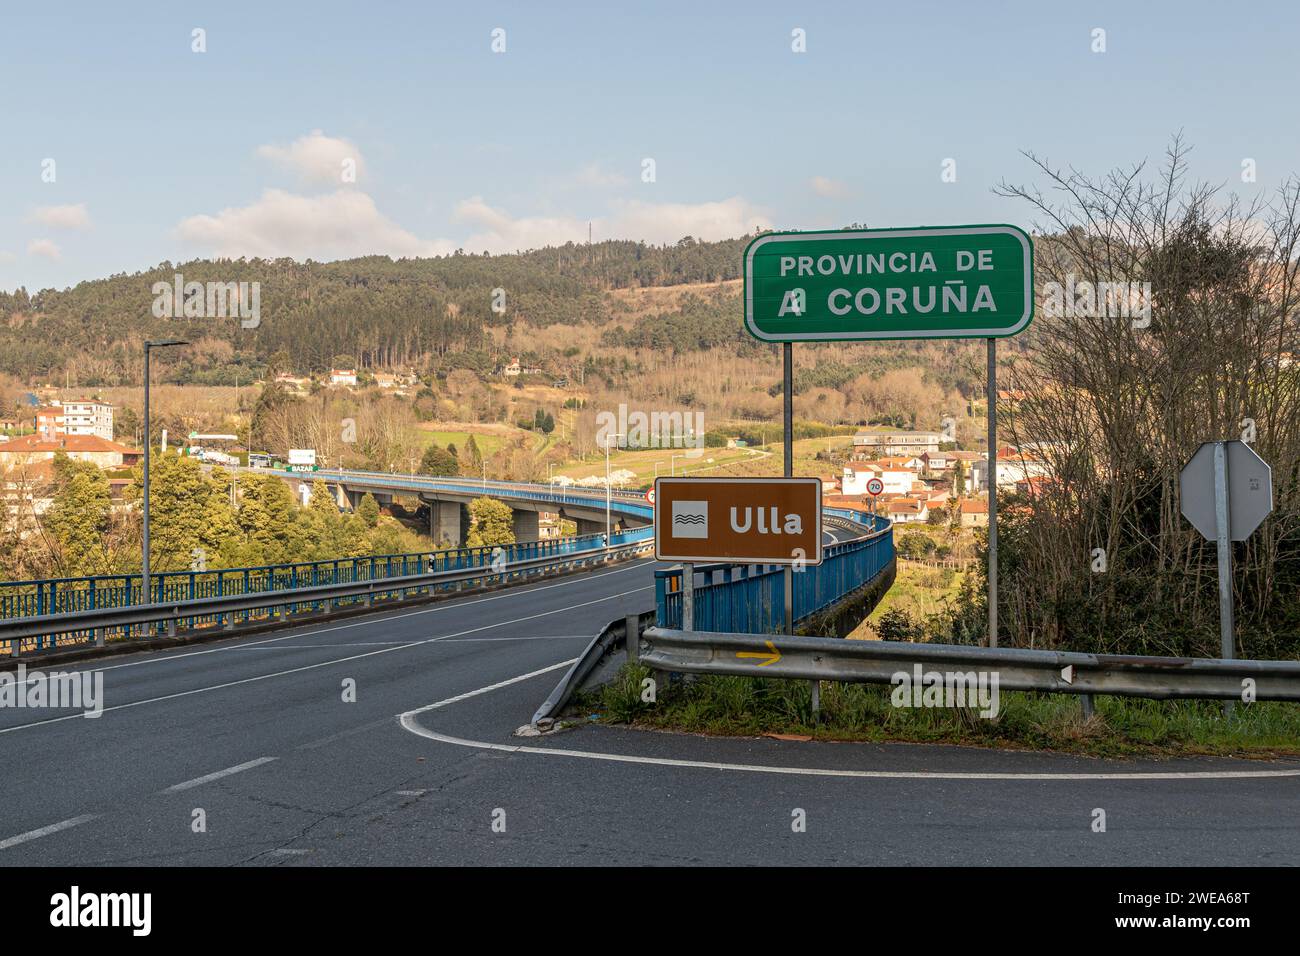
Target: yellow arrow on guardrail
[(771, 658)]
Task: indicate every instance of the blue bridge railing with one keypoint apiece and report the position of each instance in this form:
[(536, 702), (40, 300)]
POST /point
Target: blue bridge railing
[(69, 595), (750, 599)]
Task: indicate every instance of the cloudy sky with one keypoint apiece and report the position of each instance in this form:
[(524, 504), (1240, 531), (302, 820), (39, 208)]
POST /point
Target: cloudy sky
[(328, 130)]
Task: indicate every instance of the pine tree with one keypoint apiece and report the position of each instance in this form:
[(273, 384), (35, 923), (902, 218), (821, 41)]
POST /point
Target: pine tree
[(368, 510)]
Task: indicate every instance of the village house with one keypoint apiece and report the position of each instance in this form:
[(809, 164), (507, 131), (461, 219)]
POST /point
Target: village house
[(1014, 465), (907, 510), (343, 376), (856, 474), (26, 494), (872, 444), (101, 452), (974, 512), (85, 416)]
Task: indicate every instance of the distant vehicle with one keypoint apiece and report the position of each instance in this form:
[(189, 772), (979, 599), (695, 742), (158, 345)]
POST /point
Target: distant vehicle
[(561, 383), (258, 460)]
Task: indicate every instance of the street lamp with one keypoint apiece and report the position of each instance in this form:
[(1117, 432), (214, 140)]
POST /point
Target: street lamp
[(673, 463), (607, 493), (144, 542)]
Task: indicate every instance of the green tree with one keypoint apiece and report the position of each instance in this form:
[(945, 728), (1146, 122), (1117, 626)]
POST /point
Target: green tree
[(368, 510), (959, 479), (178, 505), (493, 523), (472, 461), (438, 461), (78, 517), (266, 518)]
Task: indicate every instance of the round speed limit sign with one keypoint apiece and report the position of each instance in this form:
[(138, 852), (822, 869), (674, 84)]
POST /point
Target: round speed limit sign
[(875, 486), (650, 496)]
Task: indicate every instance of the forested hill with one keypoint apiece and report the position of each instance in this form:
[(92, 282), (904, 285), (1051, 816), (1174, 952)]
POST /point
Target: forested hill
[(411, 312)]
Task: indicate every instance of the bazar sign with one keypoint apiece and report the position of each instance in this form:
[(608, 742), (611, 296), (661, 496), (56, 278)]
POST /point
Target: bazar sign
[(927, 282)]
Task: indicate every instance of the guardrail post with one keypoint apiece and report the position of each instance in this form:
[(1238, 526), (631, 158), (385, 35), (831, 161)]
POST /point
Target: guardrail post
[(633, 639), (1085, 706), (171, 627)]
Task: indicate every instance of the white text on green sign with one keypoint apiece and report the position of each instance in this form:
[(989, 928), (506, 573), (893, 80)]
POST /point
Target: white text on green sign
[(930, 282)]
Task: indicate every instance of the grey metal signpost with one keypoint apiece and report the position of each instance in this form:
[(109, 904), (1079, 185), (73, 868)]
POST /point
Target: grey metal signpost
[(1226, 491)]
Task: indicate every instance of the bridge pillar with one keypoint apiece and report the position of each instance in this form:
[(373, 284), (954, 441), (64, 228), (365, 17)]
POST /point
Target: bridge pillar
[(526, 526), (445, 525), (344, 499), (587, 526)]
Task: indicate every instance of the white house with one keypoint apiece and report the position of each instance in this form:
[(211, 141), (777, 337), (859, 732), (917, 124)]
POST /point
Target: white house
[(853, 480), (896, 443), (343, 376), (908, 510)]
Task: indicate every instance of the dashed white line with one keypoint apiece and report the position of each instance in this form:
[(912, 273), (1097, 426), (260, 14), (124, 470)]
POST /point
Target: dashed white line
[(217, 775), (46, 831)]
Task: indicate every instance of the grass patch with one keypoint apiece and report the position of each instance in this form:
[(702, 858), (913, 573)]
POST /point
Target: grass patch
[(752, 706)]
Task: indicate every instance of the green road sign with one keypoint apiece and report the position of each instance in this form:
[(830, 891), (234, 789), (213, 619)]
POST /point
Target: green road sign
[(922, 283)]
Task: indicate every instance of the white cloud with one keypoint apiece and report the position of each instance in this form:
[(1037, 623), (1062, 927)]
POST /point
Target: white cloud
[(346, 223), (339, 225), (829, 188), (44, 248), (656, 223), (317, 158), (61, 217), (668, 222)]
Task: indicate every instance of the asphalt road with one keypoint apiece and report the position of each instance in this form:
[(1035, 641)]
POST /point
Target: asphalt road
[(253, 739)]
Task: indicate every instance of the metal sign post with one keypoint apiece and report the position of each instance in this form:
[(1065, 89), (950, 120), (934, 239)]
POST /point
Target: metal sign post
[(788, 364), (1226, 490), (993, 491), (688, 596), (1222, 539)]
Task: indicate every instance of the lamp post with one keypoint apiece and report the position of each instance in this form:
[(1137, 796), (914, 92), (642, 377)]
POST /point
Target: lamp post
[(607, 492), (145, 597), (673, 463)]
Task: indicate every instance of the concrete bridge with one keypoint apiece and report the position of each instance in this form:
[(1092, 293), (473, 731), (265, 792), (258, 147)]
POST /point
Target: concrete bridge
[(446, 500)]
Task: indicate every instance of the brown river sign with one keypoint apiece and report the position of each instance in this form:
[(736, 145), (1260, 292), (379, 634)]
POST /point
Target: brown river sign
[(739, 520)]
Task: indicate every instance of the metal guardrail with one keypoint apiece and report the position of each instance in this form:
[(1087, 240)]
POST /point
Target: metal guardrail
[(751, 598), (31, 598), (603, 645), (876, 662), (96, 626)]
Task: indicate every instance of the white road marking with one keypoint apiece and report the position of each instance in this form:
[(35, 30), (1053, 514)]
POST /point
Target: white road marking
[(209, 777), (328, 663), (287, 851), (411, 793), (46, 831), (409, 722), (483, 690)]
